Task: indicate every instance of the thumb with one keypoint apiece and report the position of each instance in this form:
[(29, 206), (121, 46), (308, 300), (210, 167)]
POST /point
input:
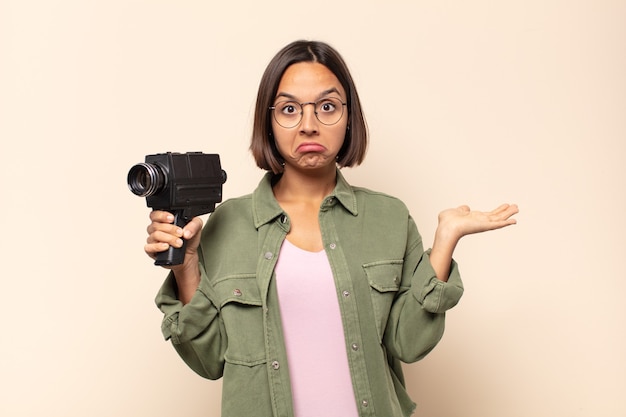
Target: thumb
[(192, 228)]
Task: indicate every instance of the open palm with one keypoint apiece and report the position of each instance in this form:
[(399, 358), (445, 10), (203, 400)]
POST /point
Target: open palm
[(462, 221)]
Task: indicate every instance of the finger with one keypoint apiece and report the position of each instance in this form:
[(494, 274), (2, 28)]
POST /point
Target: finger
[(161, 216), (505, 211), (152, 249), (505, 221), (501, 208), (510, 210), (164, 227), (164, 237)]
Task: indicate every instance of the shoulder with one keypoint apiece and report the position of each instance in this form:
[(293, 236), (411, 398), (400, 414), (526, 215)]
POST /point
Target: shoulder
[(368, 199), (235, 209), (235, 202)]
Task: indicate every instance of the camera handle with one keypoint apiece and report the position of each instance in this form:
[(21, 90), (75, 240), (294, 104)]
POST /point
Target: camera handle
[(174, 256)]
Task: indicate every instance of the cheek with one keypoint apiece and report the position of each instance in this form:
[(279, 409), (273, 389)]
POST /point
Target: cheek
[(340, 134), (281, 141), (277, 133)]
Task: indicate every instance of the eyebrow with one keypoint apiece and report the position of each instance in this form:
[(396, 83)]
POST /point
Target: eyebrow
[(319, 96)]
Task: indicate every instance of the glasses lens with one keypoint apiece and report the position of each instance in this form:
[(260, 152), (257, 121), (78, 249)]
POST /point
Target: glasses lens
[(329, 110), (287, 113)]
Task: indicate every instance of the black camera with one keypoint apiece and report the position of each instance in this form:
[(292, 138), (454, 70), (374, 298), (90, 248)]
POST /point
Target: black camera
[(184, 184)]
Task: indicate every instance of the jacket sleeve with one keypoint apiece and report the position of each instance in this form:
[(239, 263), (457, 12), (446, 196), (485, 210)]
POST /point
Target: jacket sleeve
[(195, 329), (417, 317)]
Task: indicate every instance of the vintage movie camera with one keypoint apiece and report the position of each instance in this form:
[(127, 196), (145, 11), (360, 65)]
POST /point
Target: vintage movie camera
[(184, 184)]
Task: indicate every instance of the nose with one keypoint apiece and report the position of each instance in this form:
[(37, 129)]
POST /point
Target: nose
[(309, 124)]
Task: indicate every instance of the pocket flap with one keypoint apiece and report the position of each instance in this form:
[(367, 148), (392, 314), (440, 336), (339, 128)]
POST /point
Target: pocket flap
[(241, 289), (384, 276)]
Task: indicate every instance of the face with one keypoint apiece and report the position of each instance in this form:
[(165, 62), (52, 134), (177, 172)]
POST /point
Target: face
[(310, 144)]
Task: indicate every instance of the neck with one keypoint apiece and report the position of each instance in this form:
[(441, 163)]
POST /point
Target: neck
[(303, 185)]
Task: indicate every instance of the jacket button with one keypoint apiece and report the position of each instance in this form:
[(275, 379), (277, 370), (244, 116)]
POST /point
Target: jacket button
[(346, 293), (365, 403), (268, 255), (237, 292), (355, 347), (333, 245), (275, 365)]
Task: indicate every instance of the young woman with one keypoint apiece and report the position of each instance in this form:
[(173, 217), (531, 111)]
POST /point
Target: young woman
[(307, 294)]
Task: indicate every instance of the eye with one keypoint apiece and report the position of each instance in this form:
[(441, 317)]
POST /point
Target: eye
[(287, 108), (327, 105)]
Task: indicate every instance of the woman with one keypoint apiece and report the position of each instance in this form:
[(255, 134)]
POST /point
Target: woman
[(307, 294)]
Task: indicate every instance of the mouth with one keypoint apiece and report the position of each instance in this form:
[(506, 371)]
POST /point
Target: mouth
[(310, 147)]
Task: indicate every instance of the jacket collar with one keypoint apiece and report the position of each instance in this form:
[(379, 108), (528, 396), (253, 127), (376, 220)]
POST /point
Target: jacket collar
[(265, 207)]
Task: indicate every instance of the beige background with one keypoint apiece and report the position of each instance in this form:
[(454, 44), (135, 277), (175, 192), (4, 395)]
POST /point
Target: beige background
[(475, 102)]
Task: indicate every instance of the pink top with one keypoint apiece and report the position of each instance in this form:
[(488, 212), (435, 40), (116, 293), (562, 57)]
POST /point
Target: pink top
[(316, 347)]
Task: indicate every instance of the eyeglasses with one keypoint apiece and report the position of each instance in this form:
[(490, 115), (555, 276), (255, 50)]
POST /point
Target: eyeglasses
[(328, 111)]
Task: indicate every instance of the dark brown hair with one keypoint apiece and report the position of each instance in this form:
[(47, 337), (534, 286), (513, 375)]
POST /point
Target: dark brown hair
[(263, 147)]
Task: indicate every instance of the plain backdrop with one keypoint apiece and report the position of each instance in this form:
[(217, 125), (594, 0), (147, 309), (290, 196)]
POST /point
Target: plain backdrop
[(468, 102)]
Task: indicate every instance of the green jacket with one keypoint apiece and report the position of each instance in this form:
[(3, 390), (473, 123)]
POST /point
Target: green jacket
[(392, 305)]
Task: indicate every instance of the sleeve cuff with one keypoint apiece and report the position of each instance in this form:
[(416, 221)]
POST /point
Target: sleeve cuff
[(434, 295), (182, 322)]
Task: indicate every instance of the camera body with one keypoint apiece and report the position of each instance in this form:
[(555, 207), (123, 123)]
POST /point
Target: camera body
[(184, 184)]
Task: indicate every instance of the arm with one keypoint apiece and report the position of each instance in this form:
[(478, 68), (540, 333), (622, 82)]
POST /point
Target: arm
[(459, 222), (417, 315), (191, 321), (432, 283)]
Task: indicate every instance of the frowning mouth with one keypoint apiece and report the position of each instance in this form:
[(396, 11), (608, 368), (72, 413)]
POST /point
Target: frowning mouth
[(310, 147)]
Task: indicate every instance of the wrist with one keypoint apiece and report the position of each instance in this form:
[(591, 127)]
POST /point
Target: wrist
[(187, 278), (446, 239)]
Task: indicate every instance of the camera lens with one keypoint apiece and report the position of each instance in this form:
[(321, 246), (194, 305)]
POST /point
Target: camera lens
[(146, 179)]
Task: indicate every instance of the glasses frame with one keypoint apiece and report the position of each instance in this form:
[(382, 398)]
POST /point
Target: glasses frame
[(314, 103)]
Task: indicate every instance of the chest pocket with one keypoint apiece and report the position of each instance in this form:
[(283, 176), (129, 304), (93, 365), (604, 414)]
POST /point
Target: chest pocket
[(241, 310), (384, 279)]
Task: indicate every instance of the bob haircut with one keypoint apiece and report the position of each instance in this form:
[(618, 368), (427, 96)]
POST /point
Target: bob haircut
[(263, 146)]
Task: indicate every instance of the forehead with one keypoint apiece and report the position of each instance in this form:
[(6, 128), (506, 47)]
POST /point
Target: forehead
[(308, 80)]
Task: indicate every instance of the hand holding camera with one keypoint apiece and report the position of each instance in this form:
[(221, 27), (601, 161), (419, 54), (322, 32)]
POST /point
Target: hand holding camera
[(178, 187)]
